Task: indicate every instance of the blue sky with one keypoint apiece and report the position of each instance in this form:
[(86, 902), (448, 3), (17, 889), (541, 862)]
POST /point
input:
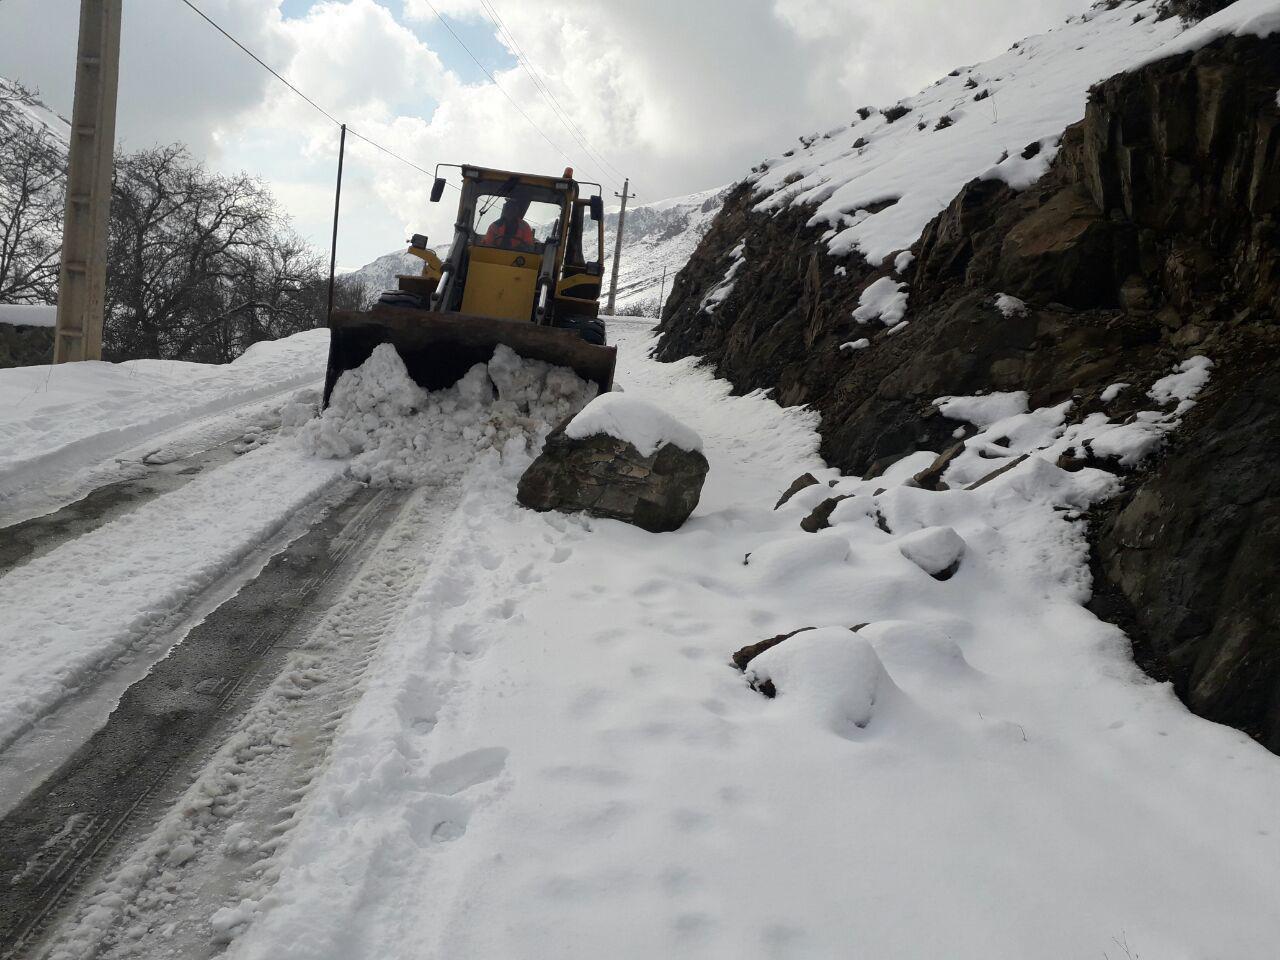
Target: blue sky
[(476, 33)]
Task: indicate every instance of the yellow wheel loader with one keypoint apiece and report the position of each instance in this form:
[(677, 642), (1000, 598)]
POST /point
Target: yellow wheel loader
[(524, 270)]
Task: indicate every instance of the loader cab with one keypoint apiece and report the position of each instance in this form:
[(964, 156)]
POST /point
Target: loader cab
[(525, 247), (535, 289)]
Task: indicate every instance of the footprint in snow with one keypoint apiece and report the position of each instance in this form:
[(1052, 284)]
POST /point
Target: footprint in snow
[(467, 770)]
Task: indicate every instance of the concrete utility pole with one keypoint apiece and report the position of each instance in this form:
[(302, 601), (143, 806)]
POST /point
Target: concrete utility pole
[(82, 279), (617, 242)]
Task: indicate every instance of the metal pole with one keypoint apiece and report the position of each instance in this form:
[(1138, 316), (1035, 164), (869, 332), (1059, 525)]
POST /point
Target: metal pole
[(617, 243), (662, 289), (337, 201), (82, 277)]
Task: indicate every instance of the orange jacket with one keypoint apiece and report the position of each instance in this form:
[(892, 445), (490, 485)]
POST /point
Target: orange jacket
[(500, 234)]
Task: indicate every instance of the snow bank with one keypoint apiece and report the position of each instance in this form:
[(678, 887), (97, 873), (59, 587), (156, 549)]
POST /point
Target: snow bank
[(58, 420), (396, 433), (640, 423), (1025, 96), (28, 315)]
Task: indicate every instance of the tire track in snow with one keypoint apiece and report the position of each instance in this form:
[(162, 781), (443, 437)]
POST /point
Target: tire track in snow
[(138, 766)]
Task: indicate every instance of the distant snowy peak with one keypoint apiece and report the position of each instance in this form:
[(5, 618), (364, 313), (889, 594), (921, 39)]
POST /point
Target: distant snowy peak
[(659, 236), (877, 182), (20, 106), (381, 274)]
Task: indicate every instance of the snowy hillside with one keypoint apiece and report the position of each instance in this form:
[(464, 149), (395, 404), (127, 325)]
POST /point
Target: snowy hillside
[(21, 106), (660, 236), (877, 181)]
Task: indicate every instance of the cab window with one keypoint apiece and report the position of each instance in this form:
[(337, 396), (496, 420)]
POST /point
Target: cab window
[(514, 217)]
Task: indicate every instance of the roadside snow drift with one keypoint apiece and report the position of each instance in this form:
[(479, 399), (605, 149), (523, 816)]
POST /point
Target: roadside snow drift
[(56, 420)]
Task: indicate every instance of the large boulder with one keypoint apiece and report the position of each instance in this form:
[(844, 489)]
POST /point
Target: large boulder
[(620, 458)]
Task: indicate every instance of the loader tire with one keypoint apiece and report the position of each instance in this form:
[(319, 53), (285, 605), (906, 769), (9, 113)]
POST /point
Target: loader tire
[(591, 329)]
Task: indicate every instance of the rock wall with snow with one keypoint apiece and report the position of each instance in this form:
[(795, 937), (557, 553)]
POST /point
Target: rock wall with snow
[(1087, 267)]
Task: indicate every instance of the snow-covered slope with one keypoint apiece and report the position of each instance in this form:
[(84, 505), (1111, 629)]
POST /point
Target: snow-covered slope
[(660, 237), (380, 274), (21, 106), (879, 180)]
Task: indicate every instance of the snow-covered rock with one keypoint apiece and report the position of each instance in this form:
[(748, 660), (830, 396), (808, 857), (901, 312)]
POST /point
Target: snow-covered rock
[(829, 675), (622, 458), (935, 550), (640, 423)]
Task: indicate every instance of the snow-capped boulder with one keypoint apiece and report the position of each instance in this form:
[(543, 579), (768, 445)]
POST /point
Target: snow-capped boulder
[(829, 676), (935, 550), (620, 458)]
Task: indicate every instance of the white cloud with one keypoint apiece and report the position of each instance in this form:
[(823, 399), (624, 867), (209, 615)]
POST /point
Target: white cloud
[(679, 94)]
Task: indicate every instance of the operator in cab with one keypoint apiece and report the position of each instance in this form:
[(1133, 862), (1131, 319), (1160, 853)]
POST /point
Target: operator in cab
[(510, 231)]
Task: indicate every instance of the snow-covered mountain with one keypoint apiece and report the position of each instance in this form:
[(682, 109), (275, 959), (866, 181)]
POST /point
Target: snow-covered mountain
[(658, 241), (660, 238), (18, 105)]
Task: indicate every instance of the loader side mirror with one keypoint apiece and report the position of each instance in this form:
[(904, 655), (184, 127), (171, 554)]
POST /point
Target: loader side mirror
[(437, 190), (597, 208), (418, 241)]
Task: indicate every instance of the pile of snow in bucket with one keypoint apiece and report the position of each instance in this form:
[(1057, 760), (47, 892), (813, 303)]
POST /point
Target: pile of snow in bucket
[(397, 433)]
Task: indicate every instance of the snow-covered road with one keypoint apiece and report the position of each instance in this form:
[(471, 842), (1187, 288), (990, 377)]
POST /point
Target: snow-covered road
[(520, 735), (553, 757)]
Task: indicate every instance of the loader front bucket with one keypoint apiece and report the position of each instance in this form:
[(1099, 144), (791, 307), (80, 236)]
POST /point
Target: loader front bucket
[(439, 348)]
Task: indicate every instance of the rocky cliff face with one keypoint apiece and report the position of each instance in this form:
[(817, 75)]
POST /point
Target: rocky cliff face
[(1153, 237)]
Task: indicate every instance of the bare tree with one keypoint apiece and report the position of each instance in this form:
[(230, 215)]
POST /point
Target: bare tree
[(32, 184), (201, 265)]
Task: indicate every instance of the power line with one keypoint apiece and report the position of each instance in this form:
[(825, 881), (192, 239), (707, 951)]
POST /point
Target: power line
[(555, 146), (539, 85), (389, 153), (545, 89), (260, 62), (322, 110)]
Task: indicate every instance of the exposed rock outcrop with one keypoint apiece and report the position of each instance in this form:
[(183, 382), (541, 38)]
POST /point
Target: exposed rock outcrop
[(1154, 236)]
